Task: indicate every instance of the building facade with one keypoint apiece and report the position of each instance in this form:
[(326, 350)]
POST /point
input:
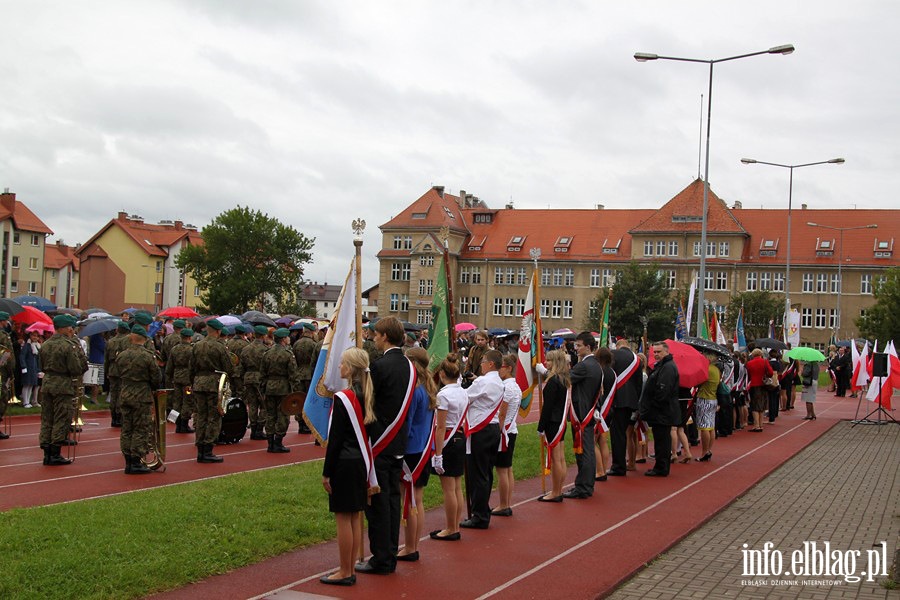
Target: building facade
[(61, 274), (581, 250), (22, 255)]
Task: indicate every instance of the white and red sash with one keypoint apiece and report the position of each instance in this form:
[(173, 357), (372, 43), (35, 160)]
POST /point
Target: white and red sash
[(388, 435), (621, 379), (478, 427), (354, 411), (410, 477), (557, 438), (578, 425)]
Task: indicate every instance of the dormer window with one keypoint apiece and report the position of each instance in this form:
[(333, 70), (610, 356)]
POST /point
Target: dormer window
[(768, 247), (483, 218), (477, 244), (824, 247), (884, 248), (515, 243), (562, 244), (449, 213), (611, 247)]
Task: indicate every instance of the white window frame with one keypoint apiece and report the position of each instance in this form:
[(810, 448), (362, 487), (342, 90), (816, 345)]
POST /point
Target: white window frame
[(751, 281)]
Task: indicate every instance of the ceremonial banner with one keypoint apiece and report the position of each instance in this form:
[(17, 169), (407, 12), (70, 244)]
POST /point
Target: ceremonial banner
[(439, 330), (326, 379), (860, 362), (680, 329), (740, 339), (604, 323), (793, 328), (531, 345), (720, 335), (690, 307)]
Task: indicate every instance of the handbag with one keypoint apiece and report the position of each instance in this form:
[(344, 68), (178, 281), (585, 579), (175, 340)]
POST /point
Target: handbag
[(771, 382)]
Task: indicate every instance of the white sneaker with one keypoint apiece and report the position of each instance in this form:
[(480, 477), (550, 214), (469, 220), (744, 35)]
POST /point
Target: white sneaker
[(26, 406)]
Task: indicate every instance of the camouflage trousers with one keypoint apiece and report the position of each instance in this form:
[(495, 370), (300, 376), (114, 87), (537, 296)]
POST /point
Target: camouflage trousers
[(207, 420), (4, 396), (56, 418), (256, 409), (181, 402), (137, 428), (115, 393), (276, 421)]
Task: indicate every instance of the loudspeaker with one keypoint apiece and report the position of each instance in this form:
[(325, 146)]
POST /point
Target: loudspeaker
[(880, 364)]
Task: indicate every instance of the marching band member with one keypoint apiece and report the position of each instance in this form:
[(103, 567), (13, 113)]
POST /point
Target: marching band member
[(280, 377), (210, 359), (179, 377), (140, 376)]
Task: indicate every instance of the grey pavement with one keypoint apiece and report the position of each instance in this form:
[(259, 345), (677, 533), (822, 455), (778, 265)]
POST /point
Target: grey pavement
[(843, 489)]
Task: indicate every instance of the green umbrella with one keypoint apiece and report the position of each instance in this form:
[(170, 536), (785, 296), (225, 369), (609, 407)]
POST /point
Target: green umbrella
[(805, 354)]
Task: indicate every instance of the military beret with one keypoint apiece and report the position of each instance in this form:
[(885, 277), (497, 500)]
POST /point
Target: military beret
[(260, 329), (309, 326), (123, 325), (60, 321), (241, 328), (179, 324), (215, 324), (187, 332), (228, 330), (139, 330), (143, 318), (281, 332), (4, 316)]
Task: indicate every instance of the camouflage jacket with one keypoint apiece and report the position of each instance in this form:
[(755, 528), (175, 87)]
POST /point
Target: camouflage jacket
[(235, 345), (374, 354), (64, 363), (8, 370), (113, 347), (209, 356), (305, 354), (251, 361), (279, 371), (139, 373), (178, 367), (169, 342)]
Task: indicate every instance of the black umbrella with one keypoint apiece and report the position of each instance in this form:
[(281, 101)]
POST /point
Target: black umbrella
[(706, 346), (94, 326), (770, 343), (257, 318), (37, 302), (844, 343), (10, 306)]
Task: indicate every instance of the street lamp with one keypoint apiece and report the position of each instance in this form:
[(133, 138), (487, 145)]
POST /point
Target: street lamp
[(787, 283), (841, 230), (644, 57)]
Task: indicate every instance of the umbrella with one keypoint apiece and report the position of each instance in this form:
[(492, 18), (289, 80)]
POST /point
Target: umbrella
[(706, 346), (99, 315), (498, 331), (295, 317), (30, 315), (565, 333), (805, 354), (461, 327), (178, 312), (91, 311), (285, 321), (770, 343), (844, 343), (10, 306), (257, 318), (37, 302), (228, 320), (68, 311), (693, 367), (41, 327), (95, 326)]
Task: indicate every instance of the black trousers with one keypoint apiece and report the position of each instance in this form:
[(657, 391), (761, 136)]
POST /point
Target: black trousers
[(480, 465), (620, 420), (662, 447), (586, 462), (383, 514), (725, 415), (773, 404)]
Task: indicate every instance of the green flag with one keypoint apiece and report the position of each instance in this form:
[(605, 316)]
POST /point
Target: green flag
[(439, 330), (604, 323)]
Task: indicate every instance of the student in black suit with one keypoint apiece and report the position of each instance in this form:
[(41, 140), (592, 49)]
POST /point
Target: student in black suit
[(393, 379), (624, 406), (586, 378)]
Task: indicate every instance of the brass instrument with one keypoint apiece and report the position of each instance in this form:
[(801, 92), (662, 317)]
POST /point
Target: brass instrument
[(224, 393), (235, 359), (292, 404), (156, 455)]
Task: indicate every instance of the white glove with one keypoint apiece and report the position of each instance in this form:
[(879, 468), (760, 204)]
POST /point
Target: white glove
[(597, 415), (540, 368), (437, 461)]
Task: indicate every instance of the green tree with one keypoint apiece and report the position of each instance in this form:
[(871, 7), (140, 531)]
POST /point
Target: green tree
[(247, 260), (638, 291), (882, 321), (759, 308)]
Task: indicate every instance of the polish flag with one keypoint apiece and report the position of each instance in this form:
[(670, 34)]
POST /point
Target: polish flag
[(860, 364), (882, 388)]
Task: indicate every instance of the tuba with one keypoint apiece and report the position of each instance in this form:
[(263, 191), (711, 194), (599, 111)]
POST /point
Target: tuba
[(224, 393), (156, 455)]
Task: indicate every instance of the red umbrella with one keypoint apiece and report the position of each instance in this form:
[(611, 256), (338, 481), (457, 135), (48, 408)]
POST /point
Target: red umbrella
[(30, 315), (179, 312), (693, 367)]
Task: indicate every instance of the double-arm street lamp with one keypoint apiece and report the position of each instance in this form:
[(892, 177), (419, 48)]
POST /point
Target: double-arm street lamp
[(644, 57), (787, 282), (841, 230)]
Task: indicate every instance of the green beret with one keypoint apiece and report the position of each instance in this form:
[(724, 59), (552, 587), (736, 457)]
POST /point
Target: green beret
[(123, 325), (260, 329), (143, 318), (179, 324), (60, 321), (281, 332), (215, 324), (309, 326), (139, 330), (241, 328), (188, 332), (4, 316), (228, 330)]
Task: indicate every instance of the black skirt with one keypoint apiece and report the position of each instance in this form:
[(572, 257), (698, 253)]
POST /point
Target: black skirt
[(505, 458), (411, 461), (348, 486), (454, 456)]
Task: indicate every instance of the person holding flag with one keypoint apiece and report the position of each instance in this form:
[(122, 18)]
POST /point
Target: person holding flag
[(552, 423), (512, 395)]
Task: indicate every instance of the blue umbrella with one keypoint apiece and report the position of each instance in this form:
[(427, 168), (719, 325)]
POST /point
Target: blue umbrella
[(98, 326), (495, 331), (37, 302)]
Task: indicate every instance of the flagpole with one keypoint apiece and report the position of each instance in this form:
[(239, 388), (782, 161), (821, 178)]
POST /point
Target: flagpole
[(535, 255), (444, 236), (359, 225)]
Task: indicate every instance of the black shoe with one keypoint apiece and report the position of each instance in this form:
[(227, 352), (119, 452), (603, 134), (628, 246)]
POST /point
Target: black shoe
[(615, 474), (704, 458), (56, 458), (473, 524), (46, 450), (303, 428), (575, 494), (271, 447), (502, 512), (453, 537), (367, 567), (553, 499), (68, 442), (411, 557), (127, 463), (603, 477), (655, 473), (342, 581), (278, 447), (4, 436), (640, 461), (138, 467), (208, 456)]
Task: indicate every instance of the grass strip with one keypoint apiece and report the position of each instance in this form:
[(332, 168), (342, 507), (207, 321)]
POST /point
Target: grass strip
[(131, 545)]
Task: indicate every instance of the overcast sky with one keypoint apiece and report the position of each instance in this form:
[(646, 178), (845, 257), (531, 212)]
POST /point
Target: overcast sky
[(318, 113)]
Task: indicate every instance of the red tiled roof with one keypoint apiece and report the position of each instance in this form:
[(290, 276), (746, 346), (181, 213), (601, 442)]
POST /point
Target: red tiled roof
[(57, 256), (689, 203), (151, 238), (22, 217), (432, 211)]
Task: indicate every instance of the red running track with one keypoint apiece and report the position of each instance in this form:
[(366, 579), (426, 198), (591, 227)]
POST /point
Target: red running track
[(576, 549)]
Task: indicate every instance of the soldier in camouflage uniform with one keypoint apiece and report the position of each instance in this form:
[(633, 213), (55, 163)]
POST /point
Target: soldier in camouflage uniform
[(251, 362), (169, 342), (305, 354), (281, 377), (235, 345), (210, 359), (179, 376), (113, 347), (369, 343), (64, 363), (7, 369), (140, 377)]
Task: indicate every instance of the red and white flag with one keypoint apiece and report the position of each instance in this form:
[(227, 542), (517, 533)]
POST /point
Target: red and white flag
[(860, 363), (882, 388)]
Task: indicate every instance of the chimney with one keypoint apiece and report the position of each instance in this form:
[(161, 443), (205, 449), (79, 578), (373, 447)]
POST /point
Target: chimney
[(803, 206), (737, 204), (122, 215), (462, 198), (509, 206), (600, 207), (8, 200), (439, 189), (178, 225)]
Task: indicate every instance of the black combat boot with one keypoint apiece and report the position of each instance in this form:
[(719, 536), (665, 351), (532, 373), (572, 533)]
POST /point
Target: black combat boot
[(209, 457), (46, 450), (302, 427), (56, 458), (278, 446), (200, 448), (271, 447), (256, 432), (127, 463), (138, 467)]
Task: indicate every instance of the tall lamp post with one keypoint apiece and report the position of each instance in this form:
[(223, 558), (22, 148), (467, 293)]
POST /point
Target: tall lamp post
[(787, 277), (841, 230), (644, 57)]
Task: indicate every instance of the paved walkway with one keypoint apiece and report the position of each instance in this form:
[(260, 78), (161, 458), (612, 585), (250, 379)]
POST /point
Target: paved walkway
[(843, 489)]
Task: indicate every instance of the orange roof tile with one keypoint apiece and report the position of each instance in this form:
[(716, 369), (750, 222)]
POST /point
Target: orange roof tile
[(151, 238), (57, 256), (22, 217), (684, 212), (433, 210)]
